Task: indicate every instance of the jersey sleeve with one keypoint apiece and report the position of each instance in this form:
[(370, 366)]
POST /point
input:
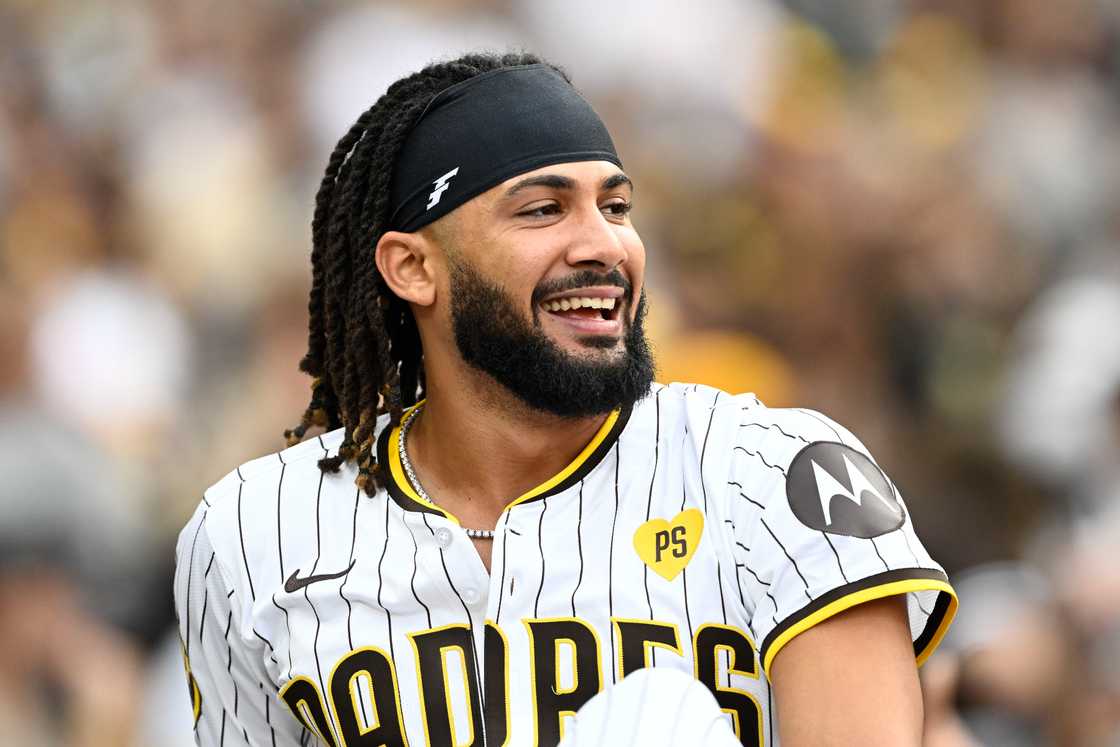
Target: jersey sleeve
[(232, 697), (818, 528)]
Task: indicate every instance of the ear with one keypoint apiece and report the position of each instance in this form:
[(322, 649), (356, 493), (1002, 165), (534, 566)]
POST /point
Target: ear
[(404, 260)]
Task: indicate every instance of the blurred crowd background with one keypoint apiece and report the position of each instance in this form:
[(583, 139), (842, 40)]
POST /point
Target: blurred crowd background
[(905, 214)]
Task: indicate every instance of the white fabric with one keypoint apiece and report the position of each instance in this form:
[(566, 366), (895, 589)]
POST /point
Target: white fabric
[(653, 708), (569, 558)]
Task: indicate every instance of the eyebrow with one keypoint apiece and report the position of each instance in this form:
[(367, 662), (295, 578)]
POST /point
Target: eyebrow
[(616, 180), (556, 181)]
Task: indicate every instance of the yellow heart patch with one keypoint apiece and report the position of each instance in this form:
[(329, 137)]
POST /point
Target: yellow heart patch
[(667, 546)]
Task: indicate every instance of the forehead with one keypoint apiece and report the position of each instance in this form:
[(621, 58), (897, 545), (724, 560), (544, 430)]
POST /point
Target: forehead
[(579, 177), (588, 174)]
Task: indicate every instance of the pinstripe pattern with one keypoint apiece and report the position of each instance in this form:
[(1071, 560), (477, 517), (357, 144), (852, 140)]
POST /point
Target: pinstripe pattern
[(569, 553), (502, 583), (314, 567), (649, 498), (610, 559), (540, 543), (579, 545), (684, 585), (381, 583), (225, 668), (412, 579), (353, 544)]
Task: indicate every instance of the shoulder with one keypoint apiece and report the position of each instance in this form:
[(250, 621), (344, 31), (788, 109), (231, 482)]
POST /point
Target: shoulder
[(248, 479), (739, 435), (743, 414), (782, 438), (253, 488), (260, 511), (726, 419), (804, 469), (690, 407), (700, 402)]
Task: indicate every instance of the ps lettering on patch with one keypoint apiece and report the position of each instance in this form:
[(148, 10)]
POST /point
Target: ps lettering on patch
[(666, 545)]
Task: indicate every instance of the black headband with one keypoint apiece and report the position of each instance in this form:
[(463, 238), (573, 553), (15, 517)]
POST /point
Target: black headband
[(480, 132)]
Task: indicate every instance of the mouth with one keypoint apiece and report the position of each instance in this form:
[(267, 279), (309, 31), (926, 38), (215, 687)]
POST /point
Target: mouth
[(595, 311)]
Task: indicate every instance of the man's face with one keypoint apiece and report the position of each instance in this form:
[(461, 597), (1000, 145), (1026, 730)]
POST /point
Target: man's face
[(545, 281)]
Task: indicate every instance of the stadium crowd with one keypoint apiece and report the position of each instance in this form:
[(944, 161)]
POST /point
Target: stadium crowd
[(902, 213)]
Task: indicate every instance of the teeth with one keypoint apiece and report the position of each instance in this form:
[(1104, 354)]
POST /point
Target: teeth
[(565, 304)]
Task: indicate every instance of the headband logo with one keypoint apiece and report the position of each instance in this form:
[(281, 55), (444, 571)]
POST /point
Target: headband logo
[(441, 185)]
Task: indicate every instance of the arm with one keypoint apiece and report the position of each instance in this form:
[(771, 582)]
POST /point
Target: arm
[(843, 599), (230, 691), (851, 680)]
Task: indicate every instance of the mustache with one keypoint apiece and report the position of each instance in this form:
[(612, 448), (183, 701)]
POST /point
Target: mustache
[(582, 279)]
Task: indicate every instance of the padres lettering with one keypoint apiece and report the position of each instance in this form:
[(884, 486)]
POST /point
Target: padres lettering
[(340, 719)]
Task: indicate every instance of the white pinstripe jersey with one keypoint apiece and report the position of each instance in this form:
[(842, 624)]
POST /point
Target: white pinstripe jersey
[(699, 531)]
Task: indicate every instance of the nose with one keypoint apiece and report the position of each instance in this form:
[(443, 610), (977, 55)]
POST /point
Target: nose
[(596, 241)]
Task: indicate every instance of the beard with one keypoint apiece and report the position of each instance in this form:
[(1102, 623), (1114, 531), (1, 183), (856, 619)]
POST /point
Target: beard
[(492, 337)]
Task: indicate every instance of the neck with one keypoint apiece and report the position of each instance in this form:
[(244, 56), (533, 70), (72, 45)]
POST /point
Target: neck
[(475, 449)]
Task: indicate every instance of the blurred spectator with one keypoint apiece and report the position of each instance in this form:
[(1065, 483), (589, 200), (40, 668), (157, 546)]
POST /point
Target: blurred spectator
[(1019, 667), (68, 548), (352, 56), (1059, 419), (110, 356), (1006, 697)]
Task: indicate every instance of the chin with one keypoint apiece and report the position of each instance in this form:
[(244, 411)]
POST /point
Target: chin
[(596, 345)]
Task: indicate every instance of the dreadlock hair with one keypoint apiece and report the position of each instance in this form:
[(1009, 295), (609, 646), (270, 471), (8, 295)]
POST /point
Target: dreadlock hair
[(363, 352)]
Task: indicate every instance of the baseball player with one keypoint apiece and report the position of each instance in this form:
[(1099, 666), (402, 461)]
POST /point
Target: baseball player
[(504, 516)]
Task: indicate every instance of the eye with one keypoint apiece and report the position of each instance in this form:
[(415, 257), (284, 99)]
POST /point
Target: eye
[(541, 211), (618, 209)]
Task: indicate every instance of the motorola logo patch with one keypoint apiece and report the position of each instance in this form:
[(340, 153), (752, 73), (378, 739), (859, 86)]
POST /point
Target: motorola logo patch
[(836, 489)]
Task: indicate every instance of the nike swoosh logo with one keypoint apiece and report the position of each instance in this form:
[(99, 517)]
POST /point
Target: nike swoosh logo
[(294, 584)]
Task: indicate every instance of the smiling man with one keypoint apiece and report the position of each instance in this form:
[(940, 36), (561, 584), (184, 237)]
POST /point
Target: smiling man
[(504, 515)]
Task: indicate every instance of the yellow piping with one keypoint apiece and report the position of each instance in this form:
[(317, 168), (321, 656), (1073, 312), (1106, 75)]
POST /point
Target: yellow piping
[(397, 470), (867, 595)]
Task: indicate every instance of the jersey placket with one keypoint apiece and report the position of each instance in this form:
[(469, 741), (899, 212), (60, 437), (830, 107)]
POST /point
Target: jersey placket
[(502, 612), (478, 596)]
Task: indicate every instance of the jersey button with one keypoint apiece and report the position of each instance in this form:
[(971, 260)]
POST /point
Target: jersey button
[(471, 596), (443, 536)]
